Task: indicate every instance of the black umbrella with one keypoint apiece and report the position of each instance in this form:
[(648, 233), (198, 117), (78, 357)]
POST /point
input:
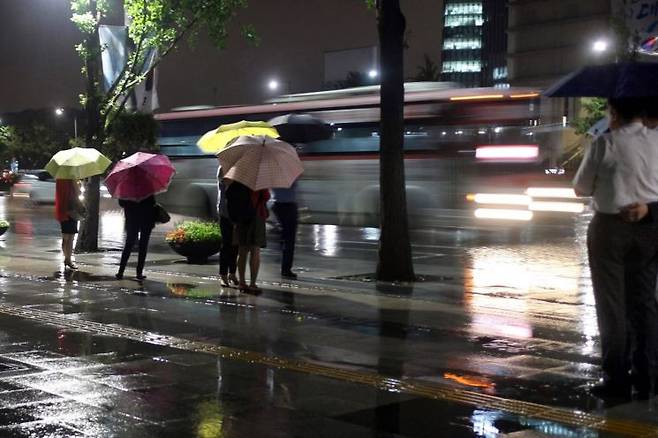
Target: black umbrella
[(629, 79), (301, 128)]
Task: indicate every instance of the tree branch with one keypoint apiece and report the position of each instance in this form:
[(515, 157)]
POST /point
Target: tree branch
[(120, 80), (124, 100)]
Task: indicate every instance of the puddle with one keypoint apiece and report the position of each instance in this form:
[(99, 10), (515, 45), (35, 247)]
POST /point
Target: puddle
[(77, 275), (200, 291)]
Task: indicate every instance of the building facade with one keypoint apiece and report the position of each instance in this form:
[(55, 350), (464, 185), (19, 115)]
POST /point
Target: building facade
[(546, 42), (475, 42), (303, 45)]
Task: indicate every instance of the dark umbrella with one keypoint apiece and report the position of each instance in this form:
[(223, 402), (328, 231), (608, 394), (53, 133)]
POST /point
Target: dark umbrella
[(301, 128), (630, 79)]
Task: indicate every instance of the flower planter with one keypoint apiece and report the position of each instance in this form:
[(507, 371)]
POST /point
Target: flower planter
[(196, 252)]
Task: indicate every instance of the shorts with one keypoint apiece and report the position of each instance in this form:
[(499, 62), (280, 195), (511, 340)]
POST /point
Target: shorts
[(69, 226), (251, 233)]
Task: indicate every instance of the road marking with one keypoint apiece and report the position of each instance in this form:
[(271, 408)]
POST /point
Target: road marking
[(404, 385)]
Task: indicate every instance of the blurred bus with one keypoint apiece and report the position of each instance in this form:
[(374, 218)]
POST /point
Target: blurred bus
[(471, 155)]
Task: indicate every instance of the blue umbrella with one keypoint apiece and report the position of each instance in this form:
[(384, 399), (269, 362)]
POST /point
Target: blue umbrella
[(630, 79)]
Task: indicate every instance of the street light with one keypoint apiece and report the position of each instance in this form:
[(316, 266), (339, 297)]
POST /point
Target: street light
[(59, 112), (273, 85), (372, 74), (599, 46)]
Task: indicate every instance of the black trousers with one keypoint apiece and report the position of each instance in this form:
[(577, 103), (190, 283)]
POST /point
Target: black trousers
[(286, 214), (133, 232), (623, 264), (228, 253)]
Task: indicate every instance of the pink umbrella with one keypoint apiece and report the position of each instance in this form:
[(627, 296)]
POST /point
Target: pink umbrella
[(140, 176)]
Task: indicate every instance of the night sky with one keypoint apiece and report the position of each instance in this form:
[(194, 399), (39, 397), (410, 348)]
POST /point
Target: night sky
[(40, 68)]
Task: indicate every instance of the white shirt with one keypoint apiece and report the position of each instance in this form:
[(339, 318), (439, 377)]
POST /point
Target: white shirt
[(620, 168)]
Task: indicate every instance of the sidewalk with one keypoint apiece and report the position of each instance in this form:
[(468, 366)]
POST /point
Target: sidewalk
[(458, 354)]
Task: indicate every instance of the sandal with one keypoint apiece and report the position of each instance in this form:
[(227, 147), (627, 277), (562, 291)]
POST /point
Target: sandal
[(71, 265), (243, 287)]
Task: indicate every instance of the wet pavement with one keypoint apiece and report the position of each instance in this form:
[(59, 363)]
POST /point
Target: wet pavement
[(498, 339)]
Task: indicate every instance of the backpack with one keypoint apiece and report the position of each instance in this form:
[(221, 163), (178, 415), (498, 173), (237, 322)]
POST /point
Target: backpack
[(238, 203)]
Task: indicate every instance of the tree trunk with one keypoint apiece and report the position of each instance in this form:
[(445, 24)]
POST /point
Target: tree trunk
[(395, 262), (94, 136)]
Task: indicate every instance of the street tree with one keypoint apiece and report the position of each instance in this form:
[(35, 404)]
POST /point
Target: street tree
[(429, 71), (394, 260), (155, 28), (32, 144)]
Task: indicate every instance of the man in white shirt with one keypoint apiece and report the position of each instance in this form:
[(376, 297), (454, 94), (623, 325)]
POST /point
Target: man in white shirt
[(620, 169)]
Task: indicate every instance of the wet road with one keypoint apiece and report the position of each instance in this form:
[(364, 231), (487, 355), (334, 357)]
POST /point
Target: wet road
[(498, 339)]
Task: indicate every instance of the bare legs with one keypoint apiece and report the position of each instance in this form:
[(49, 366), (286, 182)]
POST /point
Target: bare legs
[(253, 252), (67, 249)]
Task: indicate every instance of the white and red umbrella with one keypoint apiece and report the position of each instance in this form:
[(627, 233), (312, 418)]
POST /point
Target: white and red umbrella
[(139, 176), (260, 162)]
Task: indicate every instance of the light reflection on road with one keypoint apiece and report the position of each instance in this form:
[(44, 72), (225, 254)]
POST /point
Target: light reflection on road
[(506, 285)]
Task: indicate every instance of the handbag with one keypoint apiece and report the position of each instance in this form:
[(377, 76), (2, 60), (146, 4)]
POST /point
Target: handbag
[(160, 215), (77, 209)]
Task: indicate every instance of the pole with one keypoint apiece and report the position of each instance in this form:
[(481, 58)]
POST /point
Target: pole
[(75, 126)]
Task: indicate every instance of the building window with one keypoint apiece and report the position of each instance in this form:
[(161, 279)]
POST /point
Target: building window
[(463, 8), (461, 66), (499, 73), (463, 20), (461, 43)]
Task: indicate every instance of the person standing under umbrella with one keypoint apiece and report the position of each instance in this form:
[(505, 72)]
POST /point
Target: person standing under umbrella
[(285, 210), (139, 222), (621, 169), (248, 209), (228, 254), (255, 164), (66, 208), (134, 181)]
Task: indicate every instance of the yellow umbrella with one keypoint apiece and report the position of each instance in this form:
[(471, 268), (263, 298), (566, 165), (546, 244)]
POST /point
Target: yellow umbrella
[(215, 140)]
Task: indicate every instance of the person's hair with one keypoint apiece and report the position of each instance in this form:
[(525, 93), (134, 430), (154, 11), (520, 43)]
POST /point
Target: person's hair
[(650, 107), (627, 108)]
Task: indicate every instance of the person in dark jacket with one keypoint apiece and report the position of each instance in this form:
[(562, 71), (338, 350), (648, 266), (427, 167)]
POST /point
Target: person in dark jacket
[(228, 254), (285, 210), (139, 222)]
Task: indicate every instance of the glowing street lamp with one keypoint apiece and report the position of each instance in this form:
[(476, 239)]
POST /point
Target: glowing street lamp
[(599, 46), (372, 74), (273, 85), (59, 112)]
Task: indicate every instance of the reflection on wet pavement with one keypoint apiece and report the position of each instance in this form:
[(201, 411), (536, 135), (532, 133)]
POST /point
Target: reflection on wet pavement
[(498, 339)]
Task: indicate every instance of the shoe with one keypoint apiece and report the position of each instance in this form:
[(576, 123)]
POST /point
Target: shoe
[(243, 287), (611, 392), (253, 289), (224, 281), (233, 279), (118, 276), (140, 277), (291, 275), (71, 265)]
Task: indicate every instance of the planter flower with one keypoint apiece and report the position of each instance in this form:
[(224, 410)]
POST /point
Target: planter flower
[(195, 240), (4, 226)]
